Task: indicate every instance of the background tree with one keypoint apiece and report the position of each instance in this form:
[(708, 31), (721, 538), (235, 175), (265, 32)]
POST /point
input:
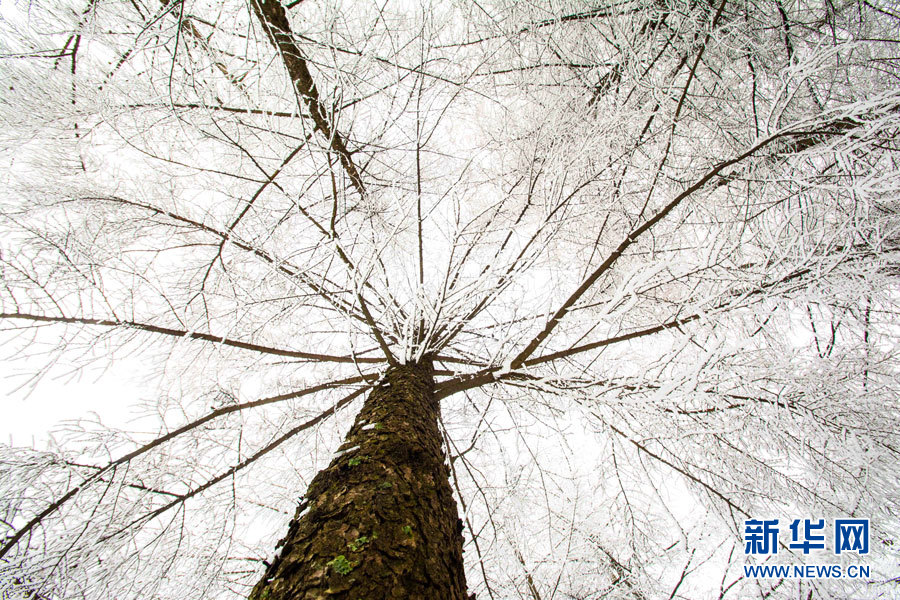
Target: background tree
[(650, 247)]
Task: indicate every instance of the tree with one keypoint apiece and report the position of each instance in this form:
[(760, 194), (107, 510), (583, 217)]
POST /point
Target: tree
[(609, 278)]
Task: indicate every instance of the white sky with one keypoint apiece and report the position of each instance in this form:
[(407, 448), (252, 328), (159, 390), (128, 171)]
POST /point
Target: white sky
[(110, 395)]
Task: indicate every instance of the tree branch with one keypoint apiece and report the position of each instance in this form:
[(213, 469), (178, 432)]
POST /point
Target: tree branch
[(57, 504), (179, 333), (829, 129), (245, 463), (274, 21)]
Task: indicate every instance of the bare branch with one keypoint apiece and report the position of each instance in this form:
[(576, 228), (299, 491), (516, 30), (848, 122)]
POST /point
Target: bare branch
[(194, 335)]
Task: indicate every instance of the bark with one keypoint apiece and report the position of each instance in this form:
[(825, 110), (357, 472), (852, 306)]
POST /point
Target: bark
[(380, 521)]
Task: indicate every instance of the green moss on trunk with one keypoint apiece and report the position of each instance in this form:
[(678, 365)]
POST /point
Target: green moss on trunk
[(380, 521)]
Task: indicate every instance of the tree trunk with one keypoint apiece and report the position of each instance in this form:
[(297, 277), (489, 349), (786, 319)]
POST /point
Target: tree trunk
[(380, 521)]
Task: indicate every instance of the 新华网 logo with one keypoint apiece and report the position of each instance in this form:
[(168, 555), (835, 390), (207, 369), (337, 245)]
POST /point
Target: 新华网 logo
[(761, 536)]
